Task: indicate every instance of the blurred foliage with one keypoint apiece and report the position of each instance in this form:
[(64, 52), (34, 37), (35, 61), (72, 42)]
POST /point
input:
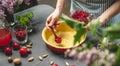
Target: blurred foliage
[(109, 34), (24, 19)]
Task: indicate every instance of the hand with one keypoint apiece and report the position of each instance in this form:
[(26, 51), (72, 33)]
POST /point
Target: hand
[(52, 19), (94, 22)]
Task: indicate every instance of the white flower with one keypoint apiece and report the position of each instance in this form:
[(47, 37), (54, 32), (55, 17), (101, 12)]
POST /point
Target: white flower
[(105, 40), (111, 58)]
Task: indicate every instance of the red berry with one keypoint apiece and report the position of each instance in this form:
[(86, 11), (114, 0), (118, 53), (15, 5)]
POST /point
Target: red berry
[(58, 39), (16, 46), (8, 51), (23, 51), (81, 16), (20, 33), (55, 65)]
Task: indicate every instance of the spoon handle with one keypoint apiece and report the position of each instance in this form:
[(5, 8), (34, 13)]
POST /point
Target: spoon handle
[(53, 32)]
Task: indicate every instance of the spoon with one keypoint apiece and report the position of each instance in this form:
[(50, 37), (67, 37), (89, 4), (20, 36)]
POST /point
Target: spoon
[(57, 39)]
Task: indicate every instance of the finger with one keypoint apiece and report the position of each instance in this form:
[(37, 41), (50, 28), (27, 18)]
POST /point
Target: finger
[(47, 26), (54, 29), (47, 23), (57, 24), (49, 17), (87, 27), (52, 22), (88, 18)]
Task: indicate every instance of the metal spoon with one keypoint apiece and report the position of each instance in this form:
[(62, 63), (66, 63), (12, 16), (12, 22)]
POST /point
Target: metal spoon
[(53, 32), (57, 39)]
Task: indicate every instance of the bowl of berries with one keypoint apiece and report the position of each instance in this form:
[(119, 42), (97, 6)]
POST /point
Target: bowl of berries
[(64, 40), (20, 32)]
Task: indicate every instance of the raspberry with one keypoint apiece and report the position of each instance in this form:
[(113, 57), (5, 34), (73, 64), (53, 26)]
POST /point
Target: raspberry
[(8, 51), (23, 51), (81, 16), (55, 65), (16, 46), (58, 39)]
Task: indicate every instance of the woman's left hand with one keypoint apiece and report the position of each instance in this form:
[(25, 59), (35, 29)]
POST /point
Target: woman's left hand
[(93, 23)]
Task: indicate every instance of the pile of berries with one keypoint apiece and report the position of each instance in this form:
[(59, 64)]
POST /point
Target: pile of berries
[(23, 51), (81, 16), (20, 34)]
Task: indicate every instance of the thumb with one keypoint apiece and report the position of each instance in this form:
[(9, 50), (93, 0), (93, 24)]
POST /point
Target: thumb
[(87, 27)]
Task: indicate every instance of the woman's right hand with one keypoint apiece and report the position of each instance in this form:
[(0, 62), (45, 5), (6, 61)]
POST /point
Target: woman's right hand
[(52, 19)]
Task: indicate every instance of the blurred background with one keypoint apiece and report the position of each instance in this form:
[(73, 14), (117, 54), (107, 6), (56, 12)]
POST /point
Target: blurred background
[(53, 4)]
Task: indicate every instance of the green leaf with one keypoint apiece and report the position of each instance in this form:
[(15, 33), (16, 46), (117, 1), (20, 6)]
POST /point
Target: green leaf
[(16, 8), (113, 47), (24, 19), (76, 25), (78, 34), (18, 17), (117, 62), (94, 27), (30, 14), (72, 23), (112, 32)]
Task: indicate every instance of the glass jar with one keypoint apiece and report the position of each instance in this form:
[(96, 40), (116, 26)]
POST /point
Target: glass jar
[(5, 35)]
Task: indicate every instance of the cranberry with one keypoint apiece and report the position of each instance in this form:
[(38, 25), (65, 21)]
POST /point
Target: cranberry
[(16, 46), (8, 51), (55, 65), (58, 39), (23, 51)]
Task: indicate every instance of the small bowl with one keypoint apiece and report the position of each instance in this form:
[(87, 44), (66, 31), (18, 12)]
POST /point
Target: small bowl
[(60, 30)]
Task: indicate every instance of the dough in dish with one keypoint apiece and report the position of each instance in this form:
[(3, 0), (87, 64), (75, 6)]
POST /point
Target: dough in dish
[(67, 39)]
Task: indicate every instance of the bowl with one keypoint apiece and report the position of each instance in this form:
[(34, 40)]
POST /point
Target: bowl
[(67, 35)]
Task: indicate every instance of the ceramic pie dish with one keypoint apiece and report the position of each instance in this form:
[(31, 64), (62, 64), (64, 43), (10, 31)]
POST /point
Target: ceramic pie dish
[(67, 35)]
